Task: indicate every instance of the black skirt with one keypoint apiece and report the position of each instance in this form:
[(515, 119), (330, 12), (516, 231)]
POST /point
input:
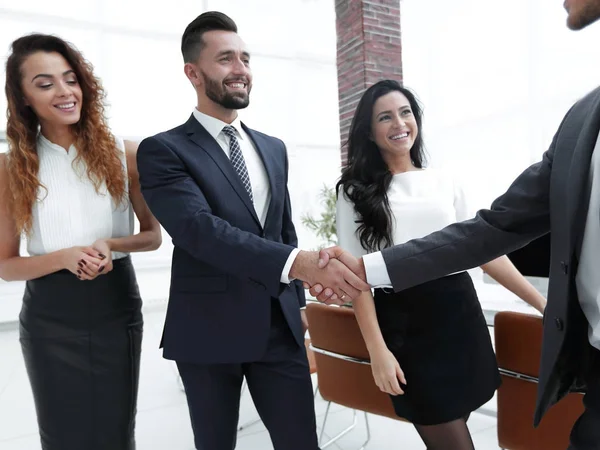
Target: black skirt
[(438, 333), (81, 341)]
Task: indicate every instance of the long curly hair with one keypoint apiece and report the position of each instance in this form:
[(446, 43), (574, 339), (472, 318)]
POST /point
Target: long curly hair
[(366, 178), (95, 144)]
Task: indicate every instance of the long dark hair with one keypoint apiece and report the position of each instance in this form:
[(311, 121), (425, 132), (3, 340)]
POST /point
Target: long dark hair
[(366, 178)]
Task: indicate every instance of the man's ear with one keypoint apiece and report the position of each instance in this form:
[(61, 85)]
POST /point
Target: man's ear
[(192, 73)]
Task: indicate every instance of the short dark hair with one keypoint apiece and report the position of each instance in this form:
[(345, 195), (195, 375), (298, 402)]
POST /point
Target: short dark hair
[(192, 42)]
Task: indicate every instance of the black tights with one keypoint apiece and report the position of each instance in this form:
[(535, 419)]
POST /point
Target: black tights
[(447, 436)]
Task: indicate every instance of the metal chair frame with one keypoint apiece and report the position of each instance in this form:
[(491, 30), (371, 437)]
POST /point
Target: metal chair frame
[(354, 419)]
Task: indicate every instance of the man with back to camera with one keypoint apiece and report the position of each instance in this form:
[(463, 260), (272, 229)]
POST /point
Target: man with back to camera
[(561, 195)]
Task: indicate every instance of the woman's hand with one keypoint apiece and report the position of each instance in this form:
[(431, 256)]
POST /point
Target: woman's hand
[(103, 248), (387, 372), (84, 262)]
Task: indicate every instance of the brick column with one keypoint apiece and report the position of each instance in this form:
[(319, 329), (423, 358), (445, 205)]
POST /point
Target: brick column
[(368, 50)]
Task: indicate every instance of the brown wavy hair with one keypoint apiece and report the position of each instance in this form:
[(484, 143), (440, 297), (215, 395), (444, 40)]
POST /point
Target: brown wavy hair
[(94, 142)]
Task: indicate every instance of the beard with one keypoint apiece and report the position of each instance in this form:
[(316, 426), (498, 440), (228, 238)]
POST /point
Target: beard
[(217, 92), (587, 14)]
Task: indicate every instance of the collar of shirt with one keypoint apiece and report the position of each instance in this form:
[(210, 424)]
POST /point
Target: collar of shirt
[(215, 126), (45, 145)]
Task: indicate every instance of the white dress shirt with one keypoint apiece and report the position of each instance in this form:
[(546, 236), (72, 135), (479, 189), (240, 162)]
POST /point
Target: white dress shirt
[(70, 212), (422, 201), (588, 272), (259, 179)]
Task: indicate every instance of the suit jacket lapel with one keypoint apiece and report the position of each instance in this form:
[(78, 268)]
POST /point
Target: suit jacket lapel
[(198, 134), (579, 190), (262, 146)]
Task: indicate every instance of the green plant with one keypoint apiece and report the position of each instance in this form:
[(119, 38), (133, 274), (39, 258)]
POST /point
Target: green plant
[(324, 225)]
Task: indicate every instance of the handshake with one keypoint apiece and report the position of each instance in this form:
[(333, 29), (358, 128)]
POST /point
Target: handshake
[(333, 275)]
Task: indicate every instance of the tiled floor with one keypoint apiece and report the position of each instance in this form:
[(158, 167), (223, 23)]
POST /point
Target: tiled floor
[(163, 421)]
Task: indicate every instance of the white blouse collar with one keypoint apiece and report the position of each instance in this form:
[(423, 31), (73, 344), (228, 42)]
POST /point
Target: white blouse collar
[(45, 144)]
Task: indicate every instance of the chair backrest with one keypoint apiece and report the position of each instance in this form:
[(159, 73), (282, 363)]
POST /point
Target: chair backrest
[(518, 340), (343, 369), (312, 364)]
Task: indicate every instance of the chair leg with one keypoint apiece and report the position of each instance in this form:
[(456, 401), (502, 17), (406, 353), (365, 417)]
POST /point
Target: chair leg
[(251, 422), (324, 421), (346, 431), (340, 434), (368, 432)]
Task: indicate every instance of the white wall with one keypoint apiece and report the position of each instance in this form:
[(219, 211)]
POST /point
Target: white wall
[(135, 50), (496, 78)]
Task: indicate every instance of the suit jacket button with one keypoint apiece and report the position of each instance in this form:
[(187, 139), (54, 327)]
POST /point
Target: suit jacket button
[(565, 267), (559, 323)]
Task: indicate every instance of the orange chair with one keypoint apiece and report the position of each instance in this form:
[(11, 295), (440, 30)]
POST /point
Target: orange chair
[(518, 350), (343, 368)]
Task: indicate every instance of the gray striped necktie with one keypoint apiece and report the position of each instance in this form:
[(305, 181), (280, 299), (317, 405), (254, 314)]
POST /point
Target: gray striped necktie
[(237, 159)]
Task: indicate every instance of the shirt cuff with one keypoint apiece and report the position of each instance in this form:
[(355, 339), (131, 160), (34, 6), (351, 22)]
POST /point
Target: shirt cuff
[(376, 270), (285, 274)]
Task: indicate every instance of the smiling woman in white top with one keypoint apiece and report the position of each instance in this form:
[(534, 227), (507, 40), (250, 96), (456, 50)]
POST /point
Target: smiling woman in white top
[(70, 188), (429, 345)]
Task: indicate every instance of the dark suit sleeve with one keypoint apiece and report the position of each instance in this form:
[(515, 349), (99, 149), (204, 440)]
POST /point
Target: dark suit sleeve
[(514, 219), (180, 206), (288, 230)]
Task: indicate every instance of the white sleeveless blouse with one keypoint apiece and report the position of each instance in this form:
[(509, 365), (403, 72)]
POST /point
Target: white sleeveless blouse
[(69, 212), (421, 202)]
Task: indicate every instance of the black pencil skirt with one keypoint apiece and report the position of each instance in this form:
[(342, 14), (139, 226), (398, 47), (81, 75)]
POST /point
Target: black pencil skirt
[(439, 336), (81, 341)]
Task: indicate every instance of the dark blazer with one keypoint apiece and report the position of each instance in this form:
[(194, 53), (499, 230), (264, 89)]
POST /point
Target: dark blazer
[(226, 267), (552, 195)]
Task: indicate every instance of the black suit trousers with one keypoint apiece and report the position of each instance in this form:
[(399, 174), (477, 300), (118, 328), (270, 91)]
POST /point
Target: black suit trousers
[(585, 434), (280, 386)]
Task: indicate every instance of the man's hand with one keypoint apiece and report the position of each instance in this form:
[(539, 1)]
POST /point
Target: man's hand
[(342, 281), (325, 293)]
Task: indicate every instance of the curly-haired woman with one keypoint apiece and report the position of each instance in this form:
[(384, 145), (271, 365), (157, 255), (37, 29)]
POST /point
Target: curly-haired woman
[(70, 188)]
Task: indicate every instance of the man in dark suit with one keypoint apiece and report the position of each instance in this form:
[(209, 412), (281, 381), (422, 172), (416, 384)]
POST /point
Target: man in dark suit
[(560, 194), (220, 191)]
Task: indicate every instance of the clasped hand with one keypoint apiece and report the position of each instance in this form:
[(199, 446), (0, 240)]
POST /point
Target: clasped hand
[(333, 275), (87, 263)]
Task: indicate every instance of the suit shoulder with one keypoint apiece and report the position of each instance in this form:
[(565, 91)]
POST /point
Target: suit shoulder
[(164, 137), (595, 93), (588, 100), (575, 117), (272, 139)]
